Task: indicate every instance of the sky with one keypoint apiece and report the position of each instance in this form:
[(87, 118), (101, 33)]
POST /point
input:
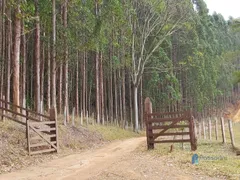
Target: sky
[(225, 7)]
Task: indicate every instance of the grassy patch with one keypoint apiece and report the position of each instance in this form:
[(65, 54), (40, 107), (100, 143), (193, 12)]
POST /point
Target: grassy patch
[(236, 130), (215, 159), (108, 132), (113, 133)]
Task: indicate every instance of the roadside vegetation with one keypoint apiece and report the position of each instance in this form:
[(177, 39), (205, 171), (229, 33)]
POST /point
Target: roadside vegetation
[(215, 158), (72, 139)]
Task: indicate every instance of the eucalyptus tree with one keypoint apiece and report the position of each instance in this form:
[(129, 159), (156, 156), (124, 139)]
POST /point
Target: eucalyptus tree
[(53, 68), (37, 51), (235, 28), (208, 61), (16, 55), (151, 23), (235, 25), (66, 58)]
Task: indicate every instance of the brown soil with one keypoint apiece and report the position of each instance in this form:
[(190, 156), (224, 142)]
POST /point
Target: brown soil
[(119, 160), (13, 145), (233, 112)]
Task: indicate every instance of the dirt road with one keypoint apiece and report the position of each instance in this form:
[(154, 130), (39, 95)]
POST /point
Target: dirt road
[(115, 161)]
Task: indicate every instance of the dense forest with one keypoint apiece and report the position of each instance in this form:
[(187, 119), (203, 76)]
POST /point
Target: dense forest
[(104, 57)]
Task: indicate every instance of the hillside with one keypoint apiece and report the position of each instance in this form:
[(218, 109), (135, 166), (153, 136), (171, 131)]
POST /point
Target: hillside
[(13, 144), (233, 112)]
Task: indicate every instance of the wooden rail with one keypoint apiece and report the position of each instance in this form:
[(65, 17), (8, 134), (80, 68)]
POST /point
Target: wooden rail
[(159, 125), (4, 105)]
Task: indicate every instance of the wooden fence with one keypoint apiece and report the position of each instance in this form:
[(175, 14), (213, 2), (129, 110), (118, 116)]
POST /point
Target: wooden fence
[(204, 130), (161, 126), (41, 130)]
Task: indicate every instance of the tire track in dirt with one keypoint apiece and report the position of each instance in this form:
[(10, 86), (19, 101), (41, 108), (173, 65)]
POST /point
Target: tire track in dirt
[(78, 166), (115, 161)]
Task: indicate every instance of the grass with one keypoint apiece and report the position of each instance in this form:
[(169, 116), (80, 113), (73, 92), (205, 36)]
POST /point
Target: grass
[(236, 130), (72, 139), (110, 133), (227, 164), (215, 159)]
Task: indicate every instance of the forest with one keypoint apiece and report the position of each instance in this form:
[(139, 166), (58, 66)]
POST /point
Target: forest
[(102, 58)]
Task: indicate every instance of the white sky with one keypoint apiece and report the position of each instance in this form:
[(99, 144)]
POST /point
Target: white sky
[(225, 7)]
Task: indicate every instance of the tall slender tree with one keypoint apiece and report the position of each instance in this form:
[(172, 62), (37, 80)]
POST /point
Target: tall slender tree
[(53, 68), (66, 102), (16, 55), (37, 85)]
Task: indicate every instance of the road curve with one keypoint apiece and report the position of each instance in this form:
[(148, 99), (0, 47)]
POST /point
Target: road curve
[(78, 166)]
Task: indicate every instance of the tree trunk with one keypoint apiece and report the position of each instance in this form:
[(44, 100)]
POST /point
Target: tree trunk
[(42, 75), (115, 95), (9, 46), (66, 104), (49, 77), (135, 93), (106, 105), (101, 89), (124, 97), (141, 104), (97, 88), (120, 98), (77, 88), (53, 73), (37, 59), (2, 51), (16, 56), (24, 62), (60, 89), (130, 100), (84, 84), (111, 86)]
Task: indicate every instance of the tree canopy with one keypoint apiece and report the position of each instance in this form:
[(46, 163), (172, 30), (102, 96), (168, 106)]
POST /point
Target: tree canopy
[(103, 57)]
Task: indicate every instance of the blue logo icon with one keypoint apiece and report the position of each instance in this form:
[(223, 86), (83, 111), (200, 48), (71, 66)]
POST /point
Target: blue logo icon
[(195, 159)]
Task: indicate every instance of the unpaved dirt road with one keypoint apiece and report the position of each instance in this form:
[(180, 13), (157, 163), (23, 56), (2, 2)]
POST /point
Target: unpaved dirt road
[(116, 161)]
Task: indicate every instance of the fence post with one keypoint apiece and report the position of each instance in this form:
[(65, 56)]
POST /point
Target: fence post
[(231, 133), (24, 106), (204, 129), (81, 119), (210, 129), (149, 132), (28, 137), (199, 130), (27, 114), (53, 117), (107, 120), (195, 127), (73, 117), (216, 128), (192, 132), (65, 116), (87, 118), (4, 106), (223, 130), (41, 110)]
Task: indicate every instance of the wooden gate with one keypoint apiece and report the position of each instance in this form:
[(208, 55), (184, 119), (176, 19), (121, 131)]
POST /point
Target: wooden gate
[(41, 130), (168, 127), (42, 136)]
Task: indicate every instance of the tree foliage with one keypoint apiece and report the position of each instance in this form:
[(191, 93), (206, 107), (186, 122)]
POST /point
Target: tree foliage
[(170, 50)]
